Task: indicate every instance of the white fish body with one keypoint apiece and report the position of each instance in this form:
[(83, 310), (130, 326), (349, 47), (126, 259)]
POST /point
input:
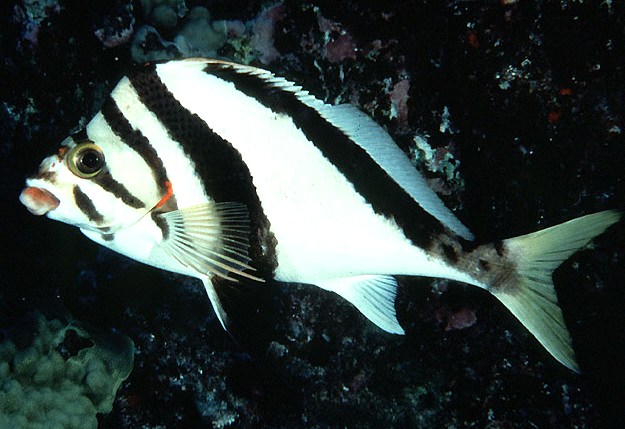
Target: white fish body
[(227, 172)]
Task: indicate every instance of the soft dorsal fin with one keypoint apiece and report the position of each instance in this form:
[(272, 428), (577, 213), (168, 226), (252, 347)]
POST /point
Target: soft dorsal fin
[(371, 137), (373, 295), (366, 133)]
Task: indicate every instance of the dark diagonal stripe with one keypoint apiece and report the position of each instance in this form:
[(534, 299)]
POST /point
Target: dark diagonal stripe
[(218, 164), (136, 141), (372, 182), (104, 179), (84, 203), (109, 184), (80, 136)]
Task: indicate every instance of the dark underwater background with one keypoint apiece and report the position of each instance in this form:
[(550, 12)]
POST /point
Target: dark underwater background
[(522, 104)]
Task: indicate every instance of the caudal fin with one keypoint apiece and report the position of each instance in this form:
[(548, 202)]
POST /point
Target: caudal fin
[(530, 294)]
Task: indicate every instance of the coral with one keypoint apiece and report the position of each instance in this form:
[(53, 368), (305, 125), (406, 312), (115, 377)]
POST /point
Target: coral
[(164, 13), (117, 27), (63, 377), (440, 161), (200, 36), (148, 45), (341, 48), (196, 34), (32, 14), (263, 33), (399, 102), (461, 319)]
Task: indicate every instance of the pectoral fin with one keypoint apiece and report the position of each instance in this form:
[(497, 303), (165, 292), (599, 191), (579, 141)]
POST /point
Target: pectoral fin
[(212, 239)]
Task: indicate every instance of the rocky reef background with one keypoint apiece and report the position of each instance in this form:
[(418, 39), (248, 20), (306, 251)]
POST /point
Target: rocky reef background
[(514, 110)]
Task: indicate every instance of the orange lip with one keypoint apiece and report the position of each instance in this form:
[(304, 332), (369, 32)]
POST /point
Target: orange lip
[(38, 201)]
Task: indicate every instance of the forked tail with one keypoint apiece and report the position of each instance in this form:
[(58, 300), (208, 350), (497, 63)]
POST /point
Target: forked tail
[(529, 292)]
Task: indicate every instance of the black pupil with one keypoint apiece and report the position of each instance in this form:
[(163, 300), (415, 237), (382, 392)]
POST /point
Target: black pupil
[(90, 161)]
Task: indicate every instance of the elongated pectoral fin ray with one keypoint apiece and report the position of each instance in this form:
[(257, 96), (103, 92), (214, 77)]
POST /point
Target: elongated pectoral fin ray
[(374, 296), (211, 292), (530, 293), (212, 239)]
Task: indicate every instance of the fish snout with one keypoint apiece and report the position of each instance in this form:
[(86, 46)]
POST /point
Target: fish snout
[(38, 201)]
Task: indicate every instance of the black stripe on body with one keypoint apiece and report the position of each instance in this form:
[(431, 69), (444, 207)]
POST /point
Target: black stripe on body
[(80, 136), (136, 141), (372, 182), (161, 223), (109, 184), (84, 203), (224, 175)]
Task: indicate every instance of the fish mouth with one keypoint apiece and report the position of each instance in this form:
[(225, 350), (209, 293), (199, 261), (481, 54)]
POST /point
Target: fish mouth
[(38, 201)]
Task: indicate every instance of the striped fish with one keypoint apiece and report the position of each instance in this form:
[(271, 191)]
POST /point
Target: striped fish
[(229, 173)]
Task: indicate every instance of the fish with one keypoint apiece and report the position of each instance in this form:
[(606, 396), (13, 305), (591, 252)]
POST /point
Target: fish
[(233, 175)]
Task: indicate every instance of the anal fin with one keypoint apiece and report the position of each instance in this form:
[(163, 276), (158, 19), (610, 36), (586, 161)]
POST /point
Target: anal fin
[(374, 296)]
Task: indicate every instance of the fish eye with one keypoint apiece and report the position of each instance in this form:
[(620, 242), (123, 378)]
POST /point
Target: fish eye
[(85, 159)]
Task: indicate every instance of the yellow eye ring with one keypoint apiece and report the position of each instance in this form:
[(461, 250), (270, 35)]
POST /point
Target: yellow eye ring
[(85, 160)]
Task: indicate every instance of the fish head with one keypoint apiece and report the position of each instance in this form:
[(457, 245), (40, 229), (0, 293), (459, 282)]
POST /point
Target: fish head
[(95, 184)]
